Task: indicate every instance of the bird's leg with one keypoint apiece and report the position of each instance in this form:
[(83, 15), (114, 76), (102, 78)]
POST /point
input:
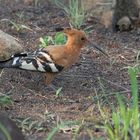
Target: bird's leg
[(48, 79)]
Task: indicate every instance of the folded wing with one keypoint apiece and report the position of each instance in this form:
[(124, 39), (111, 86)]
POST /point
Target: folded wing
[(38, 60)]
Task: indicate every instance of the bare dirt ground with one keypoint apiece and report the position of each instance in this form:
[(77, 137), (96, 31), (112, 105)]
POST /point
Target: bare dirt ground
[(93, 73)]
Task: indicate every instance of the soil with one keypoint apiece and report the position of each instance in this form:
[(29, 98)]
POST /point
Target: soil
[(93, 78)]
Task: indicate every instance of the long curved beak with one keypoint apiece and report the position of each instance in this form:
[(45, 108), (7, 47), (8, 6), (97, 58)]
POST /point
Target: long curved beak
[(96, 47)]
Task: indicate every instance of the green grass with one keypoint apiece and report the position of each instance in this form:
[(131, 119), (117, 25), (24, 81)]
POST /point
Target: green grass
[(69, 126), (5, 132), (5, 100), (59, 92), (125, 122), (31, 126), (75, 11), (16, 26)]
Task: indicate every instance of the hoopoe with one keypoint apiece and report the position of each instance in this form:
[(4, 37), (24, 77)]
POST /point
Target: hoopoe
[(54, 58)]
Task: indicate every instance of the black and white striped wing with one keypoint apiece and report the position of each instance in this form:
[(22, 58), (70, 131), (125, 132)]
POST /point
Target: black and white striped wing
[(39, 60)]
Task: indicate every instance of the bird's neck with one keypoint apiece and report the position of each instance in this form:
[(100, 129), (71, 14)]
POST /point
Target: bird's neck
[(73, 45)]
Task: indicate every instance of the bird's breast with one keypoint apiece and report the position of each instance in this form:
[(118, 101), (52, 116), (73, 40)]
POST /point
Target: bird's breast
[(72, 58)]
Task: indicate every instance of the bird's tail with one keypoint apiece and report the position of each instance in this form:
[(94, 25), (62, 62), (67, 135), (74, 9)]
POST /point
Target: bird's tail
[(9, 63), (6, 63), (3, 65)]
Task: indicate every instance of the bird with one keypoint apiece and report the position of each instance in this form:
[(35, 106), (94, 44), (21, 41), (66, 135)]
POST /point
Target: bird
[(52, 59)]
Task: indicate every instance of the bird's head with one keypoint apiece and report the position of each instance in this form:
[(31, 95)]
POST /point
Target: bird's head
[(78, 38)]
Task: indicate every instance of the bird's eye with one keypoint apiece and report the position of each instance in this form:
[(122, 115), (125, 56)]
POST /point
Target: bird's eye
[(82, 38)]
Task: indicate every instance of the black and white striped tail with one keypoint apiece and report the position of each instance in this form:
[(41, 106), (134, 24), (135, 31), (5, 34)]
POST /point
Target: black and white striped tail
[(39, 60)]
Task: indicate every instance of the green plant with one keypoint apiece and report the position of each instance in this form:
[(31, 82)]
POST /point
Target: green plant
[(69, 126), (5, 100), (125, 123), (58, 39), (31, 126), (20, 15), (75, 12), (73, 127), (137, 64), (58, 92), (18, 27), (45, 41), (4, 131)]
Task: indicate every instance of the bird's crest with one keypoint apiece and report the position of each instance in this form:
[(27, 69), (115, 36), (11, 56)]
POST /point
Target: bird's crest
[(67, 30)]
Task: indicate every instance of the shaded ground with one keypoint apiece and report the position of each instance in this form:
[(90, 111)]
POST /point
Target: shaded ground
[(93, 72)]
